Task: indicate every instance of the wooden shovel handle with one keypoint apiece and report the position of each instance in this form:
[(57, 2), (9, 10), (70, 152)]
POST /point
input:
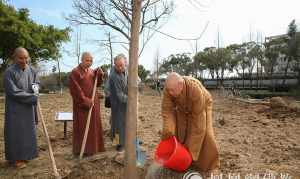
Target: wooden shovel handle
[(87, 126), (56, 174)]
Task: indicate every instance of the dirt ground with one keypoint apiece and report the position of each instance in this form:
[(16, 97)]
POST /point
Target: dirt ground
[(252, 140)]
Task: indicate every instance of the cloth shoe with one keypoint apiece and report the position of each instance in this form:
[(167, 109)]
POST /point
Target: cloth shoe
[(19, 164)]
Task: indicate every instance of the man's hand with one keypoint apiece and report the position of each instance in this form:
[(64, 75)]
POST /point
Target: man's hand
[(99, 72), (91, 103), (87, 103), (35, 88)]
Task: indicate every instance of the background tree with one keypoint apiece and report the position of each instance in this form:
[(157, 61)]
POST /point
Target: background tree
[(180, 63), (292, 47), (199, 67), (17, 29), (53, 81), (258, 54), (251, 59), (236, 57), (242, 54), (143, 73), (106, 67), (222, 62), (272, 52), (207, 60)]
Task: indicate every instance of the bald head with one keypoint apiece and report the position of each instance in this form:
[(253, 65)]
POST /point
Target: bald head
[(174, 84), (86, 60), (21, 57)]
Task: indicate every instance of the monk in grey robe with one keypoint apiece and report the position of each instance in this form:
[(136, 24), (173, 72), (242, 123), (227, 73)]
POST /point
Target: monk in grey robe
[(187, 114), (118, 98), (20, 110)]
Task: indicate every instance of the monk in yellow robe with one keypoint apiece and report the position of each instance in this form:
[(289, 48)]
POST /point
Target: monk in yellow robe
[(187, 114)]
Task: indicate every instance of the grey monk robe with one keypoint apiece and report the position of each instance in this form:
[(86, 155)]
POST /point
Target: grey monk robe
[(118, 99), (20, 113)]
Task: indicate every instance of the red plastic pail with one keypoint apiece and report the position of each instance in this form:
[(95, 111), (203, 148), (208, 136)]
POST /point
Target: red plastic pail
[(171, 154)]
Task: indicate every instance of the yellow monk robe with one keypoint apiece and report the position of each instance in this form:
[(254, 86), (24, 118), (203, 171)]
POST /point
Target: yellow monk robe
[(189, 118)]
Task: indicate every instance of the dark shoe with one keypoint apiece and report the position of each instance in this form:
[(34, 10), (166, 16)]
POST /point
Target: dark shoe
[(87, 155), (119, 148), (7, 163)]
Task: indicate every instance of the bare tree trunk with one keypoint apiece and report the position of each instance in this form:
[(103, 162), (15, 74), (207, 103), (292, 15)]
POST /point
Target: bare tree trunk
[(195, 65), (285, 71), (78, 38), (110, 50), (218, 78), (299, 77), (298, 74), (250, 77), (262, 76), (222, 76), (59, 75), (212, 74), (156, 63), (130, 171), (257, 74), (272, 79), (243, 77)]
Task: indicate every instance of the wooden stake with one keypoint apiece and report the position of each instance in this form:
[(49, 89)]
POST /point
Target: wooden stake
[(87, 126), (56, 174)]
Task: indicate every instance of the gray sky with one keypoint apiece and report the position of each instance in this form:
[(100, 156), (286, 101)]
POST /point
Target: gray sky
[(234, 19)]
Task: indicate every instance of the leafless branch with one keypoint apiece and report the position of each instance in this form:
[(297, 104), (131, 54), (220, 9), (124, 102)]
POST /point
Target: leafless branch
[(122, 9), (116, 15), (125, 47), (178, 38)]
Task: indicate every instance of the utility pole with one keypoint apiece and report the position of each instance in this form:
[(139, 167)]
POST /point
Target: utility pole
[(195, 67), (110, 50), (156, 63), (59, 76), (194, 63), (78, 39), (250, 32), (218, 56), (257, 78)]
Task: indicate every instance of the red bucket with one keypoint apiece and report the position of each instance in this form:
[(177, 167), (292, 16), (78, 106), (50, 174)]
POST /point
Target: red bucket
[(171, 154)]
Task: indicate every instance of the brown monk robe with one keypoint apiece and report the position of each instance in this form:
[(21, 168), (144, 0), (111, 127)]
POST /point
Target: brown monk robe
[(81, 85), (187, 114)]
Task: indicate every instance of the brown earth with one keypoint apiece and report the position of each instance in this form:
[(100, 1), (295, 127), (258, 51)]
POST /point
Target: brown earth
[(253, 139)]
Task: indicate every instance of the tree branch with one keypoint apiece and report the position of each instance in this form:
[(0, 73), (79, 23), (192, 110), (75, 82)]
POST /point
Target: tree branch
[(122, 10)]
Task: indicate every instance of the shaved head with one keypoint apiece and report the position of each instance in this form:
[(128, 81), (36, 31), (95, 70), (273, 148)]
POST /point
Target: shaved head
[(86, 55), (174, 84), (86, 60), (21, 57), (18, 51)]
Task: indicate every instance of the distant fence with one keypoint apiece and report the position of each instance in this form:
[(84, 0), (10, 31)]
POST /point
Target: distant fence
[(252, 83)]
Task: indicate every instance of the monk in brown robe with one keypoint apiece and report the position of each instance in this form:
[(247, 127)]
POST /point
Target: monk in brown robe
[(81, 85), (187, 114)]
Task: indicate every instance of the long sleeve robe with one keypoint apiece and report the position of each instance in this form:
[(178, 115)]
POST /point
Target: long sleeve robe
[(20, 113), (81, 85), (118, 99), (189, 118)]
